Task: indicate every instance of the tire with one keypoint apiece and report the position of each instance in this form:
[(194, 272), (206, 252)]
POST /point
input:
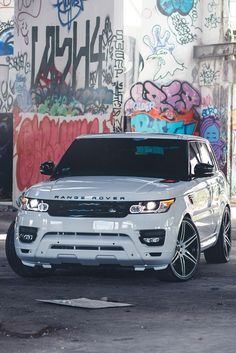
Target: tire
[(220, 252), (185, 262), (15, 263)]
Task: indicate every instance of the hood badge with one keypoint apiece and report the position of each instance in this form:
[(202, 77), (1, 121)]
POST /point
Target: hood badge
[(90, 198)]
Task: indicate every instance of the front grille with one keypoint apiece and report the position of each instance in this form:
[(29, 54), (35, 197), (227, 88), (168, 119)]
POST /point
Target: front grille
[(87, 247), (92, 209), (84, 234)]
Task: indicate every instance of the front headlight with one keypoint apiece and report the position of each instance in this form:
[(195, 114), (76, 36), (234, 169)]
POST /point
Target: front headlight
[(29, 204), (152, 206)]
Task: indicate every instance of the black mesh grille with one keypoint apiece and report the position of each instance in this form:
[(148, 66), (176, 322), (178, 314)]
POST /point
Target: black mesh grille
[(88, 209)]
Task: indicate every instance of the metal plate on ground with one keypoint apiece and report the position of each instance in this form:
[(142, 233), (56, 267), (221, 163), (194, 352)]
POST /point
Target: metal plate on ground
[(85, 303)]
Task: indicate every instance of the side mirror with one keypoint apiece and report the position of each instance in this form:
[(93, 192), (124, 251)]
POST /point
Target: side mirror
[(202, 170), (47, 168)]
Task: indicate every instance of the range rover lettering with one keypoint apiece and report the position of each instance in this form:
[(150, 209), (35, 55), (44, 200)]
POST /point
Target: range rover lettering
[(147, 201)]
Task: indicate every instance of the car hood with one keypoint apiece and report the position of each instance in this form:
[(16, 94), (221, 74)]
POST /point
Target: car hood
[(106, 189)]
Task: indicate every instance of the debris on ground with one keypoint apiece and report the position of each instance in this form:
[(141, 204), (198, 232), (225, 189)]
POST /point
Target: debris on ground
[(85, 303)]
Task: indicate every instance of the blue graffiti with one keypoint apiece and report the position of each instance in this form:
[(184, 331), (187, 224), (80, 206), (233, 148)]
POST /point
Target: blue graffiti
[(68, 11), (6, 42), (23, 97), (145, 123), (168, 7), (212, 133)]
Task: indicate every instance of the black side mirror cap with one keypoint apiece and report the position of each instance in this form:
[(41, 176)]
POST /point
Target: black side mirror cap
[(202, 170), (47, 168)]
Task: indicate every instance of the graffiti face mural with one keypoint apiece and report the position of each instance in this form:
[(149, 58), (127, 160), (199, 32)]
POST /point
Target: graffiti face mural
[(210, 128), (165, 109)]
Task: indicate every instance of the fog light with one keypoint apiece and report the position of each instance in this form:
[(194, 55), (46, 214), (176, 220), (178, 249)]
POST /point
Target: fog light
[(152, 237), (151, 240), (27, 234)]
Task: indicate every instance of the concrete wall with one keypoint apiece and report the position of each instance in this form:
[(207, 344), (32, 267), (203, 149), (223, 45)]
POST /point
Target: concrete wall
[(172, 92), (101, 66), (65, 74), (6, 98)]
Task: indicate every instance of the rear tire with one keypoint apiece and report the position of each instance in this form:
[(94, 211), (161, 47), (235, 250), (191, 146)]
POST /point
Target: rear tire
[(185, 262), (15, 263), (220, 252)]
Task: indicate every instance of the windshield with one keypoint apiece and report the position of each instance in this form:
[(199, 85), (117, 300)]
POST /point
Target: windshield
[(137, 157)]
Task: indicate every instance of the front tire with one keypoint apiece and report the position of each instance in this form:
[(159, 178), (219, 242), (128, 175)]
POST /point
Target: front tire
[(185, 262), (15, 263), (220, 252)]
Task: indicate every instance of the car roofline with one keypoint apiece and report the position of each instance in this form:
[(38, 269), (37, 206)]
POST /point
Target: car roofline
[(144, 136)]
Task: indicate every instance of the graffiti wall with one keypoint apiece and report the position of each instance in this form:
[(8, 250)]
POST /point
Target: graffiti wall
[(166, 109), (163, 96), (65, 77), (104, 66), (39, 137), (6, 156), (214, 122), (6, 27), (6, 49), (172, 93), (6, 98)]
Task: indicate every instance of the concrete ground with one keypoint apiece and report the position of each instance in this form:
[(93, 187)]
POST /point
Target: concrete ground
[(196, 316)]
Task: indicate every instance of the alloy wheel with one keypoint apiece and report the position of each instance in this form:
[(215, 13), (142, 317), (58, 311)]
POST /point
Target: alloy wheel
[(187, 253), (226, 229)]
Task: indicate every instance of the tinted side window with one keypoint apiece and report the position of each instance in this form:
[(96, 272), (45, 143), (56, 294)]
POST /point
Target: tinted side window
[(194, 156), (206, 157)]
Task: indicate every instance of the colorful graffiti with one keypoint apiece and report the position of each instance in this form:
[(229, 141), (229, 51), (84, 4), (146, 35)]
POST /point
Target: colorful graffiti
[(68, 11), (210, 128), (6, 38), (167, 109), (162, 53), (181, 18), (6, 156), (37, 139), (168, 7), (55, 92)]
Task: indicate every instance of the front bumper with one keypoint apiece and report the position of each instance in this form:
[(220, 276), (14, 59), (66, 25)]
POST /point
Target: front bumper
[(93, 241)]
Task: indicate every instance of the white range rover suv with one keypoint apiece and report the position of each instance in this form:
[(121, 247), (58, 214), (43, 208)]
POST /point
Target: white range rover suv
[(147, 201)]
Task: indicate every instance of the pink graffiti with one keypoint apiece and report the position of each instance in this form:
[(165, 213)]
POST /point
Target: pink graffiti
[(177, 97), (206, 101), (44, 139)]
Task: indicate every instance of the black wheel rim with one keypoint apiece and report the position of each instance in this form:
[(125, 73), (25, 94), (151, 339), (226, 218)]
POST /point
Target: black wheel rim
[(187, 253), (226, 230)]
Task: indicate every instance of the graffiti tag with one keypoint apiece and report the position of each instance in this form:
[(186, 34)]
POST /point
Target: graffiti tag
[(68, 11), (208, 75)]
